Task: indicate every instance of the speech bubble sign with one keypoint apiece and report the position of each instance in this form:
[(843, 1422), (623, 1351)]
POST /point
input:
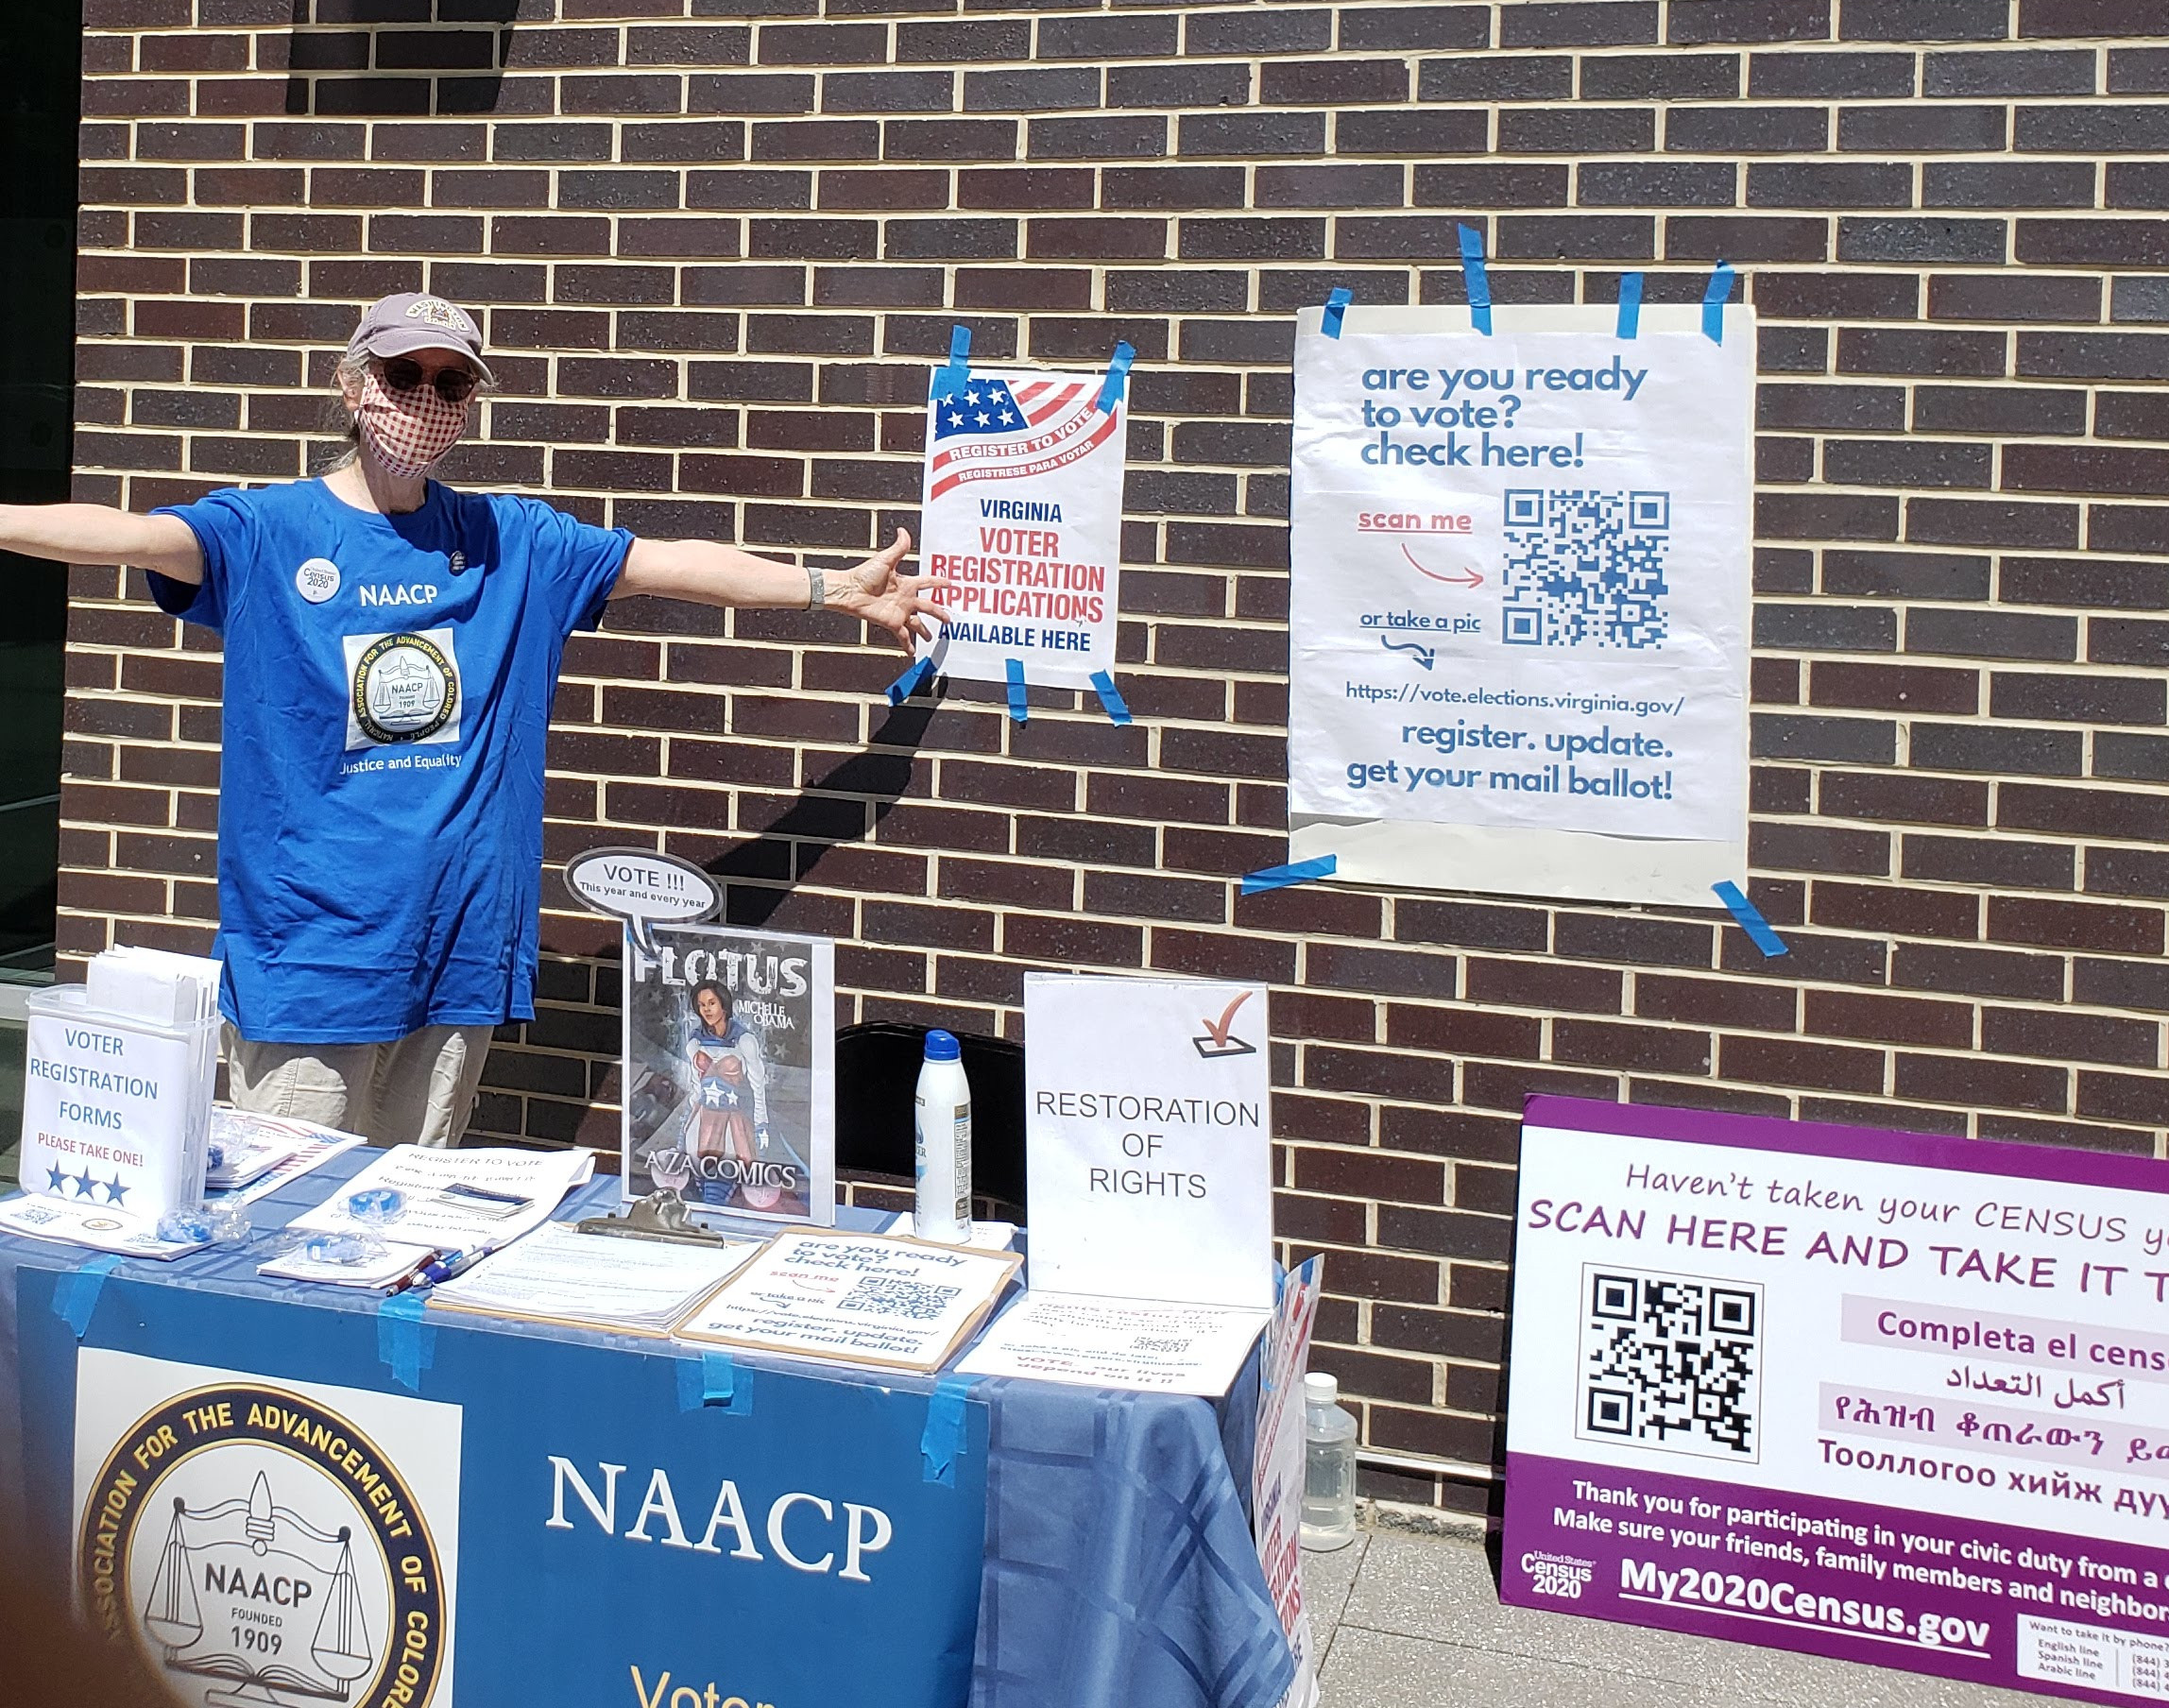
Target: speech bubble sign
[(642, 888)]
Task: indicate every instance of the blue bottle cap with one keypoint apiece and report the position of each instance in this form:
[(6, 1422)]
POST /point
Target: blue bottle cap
[(942, 1046)]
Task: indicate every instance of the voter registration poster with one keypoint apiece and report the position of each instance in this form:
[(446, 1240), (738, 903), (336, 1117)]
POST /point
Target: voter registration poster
[(1892, 1398), (1520, 566), (1022, 515)]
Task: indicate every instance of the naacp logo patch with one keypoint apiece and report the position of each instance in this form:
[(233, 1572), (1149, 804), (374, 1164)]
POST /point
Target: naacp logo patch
[(255, 1542), (402, 689)]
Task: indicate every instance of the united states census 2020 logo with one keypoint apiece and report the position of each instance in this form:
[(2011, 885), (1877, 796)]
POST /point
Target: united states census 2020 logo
[(262, 1548), (405, 689)]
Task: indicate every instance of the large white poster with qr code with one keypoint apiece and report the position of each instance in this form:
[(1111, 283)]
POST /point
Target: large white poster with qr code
[(1519, 606)]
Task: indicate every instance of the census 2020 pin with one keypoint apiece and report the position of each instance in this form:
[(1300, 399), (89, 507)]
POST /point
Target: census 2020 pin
[(318, 579)]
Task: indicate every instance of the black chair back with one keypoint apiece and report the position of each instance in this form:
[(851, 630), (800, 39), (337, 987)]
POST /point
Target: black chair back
[(877, 1075)]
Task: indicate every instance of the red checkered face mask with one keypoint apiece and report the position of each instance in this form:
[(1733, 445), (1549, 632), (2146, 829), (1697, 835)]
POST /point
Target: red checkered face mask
[(409, 431)]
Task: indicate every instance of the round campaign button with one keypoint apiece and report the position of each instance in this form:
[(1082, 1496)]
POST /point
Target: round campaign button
[(318, 579)]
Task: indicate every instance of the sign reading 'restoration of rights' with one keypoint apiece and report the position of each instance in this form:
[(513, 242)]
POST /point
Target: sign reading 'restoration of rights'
[(1023, 514), (1148, 1137), (1519, 606), (1878, 1396)]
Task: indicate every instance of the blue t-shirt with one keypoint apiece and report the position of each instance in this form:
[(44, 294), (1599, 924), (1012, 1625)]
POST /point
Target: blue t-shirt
[(389, 681)]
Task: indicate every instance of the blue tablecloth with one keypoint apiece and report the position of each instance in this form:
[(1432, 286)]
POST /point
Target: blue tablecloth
[(1118, 1570)]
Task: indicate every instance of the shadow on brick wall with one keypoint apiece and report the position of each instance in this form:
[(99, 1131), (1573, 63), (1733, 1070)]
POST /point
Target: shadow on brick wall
[(381, 58), (842, 806)]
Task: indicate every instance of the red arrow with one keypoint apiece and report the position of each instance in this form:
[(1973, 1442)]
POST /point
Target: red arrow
[(1466, 578)]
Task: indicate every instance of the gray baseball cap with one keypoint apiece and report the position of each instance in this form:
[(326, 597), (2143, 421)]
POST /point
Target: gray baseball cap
[(411, 321)]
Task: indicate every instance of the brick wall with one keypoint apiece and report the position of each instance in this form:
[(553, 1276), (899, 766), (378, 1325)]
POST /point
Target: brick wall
[(717, 242)]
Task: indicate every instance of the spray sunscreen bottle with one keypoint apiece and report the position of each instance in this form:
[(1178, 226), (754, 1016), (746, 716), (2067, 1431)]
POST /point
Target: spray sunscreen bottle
[(941, 1208)]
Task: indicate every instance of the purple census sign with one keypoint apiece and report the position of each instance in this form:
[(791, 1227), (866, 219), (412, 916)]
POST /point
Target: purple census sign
[(1879, 1395)]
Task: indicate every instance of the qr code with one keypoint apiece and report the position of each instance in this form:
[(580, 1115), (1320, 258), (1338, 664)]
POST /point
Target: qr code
[(1671, 1362), (1143, 1345), (1586, 569), (914, 1301)]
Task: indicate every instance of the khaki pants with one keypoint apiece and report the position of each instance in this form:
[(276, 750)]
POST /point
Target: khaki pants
[(419, 1089)]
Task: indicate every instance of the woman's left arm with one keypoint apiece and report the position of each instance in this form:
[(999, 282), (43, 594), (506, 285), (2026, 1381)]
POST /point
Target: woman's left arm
[(907, 606)]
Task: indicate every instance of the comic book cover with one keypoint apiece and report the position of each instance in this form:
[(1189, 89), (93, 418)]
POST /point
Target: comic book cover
[(729, 1081)]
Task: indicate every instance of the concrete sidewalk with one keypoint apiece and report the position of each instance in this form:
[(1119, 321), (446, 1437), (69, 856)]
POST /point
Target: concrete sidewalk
[(1408, 1620)]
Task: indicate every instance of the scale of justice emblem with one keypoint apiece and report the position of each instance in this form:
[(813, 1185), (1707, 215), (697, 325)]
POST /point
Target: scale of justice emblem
[(245, 1557), (265, 1553)]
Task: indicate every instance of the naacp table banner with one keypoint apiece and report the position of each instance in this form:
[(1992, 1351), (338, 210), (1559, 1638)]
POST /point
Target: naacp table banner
[(1889, 1397), (1023, 512), (1519, 601), (239, 1487)]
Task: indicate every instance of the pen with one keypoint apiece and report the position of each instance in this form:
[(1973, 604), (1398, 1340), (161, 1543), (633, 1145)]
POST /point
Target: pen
[(451, 1264)]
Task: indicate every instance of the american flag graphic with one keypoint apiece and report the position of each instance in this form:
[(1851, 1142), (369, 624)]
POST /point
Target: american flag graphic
[(991, 430)]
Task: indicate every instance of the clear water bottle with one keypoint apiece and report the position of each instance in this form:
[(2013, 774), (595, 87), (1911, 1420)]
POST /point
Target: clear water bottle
[(941, 1208), (1328, 1466)]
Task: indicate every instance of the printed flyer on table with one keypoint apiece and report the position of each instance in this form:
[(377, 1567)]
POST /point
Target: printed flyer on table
[(1880, 1395)]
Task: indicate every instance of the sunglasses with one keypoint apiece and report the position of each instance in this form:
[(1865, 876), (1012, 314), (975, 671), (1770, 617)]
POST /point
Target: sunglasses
[(453, 384)]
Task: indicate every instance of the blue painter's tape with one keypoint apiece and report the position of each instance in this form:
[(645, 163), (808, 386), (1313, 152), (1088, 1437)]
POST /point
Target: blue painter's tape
[(1279, 878), (405, 1342), (1118, 379), (714, 1382), (905, 686), (1714, 295), (950, 379), (1476, 278), (1111, 698), (1337, 301), (76, 1295), (1630, 304), (941, 1443), (1750, 919), (1019, 707)]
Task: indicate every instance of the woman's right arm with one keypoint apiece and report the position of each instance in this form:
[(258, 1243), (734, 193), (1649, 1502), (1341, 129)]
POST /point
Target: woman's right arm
[(99, 533)]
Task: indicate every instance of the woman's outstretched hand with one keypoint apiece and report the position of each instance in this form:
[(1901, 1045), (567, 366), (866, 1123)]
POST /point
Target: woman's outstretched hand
[(908, 607)]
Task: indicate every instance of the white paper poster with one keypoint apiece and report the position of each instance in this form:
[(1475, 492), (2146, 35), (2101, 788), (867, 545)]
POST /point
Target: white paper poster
[(1149, 1138), (1521, 569), (267, 1541), (1023, 513)]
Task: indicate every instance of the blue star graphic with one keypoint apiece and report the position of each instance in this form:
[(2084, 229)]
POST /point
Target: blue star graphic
[(83, 1183), (714, 1094), (971, 397), (115, 1191), (956, 420), (1006, 417), (55, 1179)]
